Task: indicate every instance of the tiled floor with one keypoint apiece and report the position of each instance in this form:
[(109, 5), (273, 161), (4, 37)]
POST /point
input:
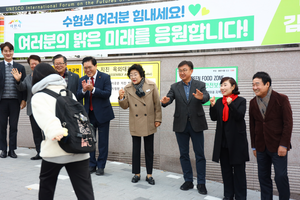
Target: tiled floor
[(19, 180)]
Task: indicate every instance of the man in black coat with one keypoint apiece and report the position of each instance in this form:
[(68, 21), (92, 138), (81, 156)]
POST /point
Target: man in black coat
[(189, 122), (11, 100)]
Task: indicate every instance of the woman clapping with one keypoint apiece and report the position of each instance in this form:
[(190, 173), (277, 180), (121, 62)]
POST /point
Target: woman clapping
[(231, 145), (142, 98)]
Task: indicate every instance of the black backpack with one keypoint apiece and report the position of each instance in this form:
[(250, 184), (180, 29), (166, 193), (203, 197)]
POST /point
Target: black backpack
[(81, 133)]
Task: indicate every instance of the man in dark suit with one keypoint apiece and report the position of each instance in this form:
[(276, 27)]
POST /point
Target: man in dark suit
[(11, 100), (189, 122), (60, 65), (95, 88), (271, 124), (26, 85)]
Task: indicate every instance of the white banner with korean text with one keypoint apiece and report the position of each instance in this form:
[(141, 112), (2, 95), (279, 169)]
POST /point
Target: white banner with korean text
[(156, 27)]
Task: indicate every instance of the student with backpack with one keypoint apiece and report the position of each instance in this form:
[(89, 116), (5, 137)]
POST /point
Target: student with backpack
[(54, 157)]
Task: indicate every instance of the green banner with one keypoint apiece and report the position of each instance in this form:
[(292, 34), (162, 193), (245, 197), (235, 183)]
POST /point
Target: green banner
[(225, 30), (285, 26)]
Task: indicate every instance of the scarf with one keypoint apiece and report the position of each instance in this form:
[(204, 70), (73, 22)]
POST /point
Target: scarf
[(226, 108), (139, 88), (263, 102)]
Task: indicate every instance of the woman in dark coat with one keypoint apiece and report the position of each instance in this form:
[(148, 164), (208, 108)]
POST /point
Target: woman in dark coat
[(231, 145)]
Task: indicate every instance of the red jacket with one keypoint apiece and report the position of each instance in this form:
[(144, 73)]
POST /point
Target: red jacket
[(276, 129)]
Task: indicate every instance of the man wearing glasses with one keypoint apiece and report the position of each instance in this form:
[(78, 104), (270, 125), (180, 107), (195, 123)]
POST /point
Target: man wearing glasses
[(60, 65), (189, 123), (95, 88)]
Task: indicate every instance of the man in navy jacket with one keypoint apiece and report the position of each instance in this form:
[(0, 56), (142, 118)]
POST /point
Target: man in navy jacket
[(11, 100), (95, 88)]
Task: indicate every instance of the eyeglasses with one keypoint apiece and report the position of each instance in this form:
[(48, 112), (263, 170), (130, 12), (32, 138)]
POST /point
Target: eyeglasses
[(57, 64), (87, 68), (183, 71), (133, 75)]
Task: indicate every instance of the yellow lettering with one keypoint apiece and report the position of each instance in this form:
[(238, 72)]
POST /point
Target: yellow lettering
[(10, 9)]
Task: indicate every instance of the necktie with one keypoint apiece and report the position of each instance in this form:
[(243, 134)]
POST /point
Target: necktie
[(9, 64), (91, 105)]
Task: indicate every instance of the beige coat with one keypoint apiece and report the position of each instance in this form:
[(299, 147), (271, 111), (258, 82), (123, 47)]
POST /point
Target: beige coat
[(144, 111)]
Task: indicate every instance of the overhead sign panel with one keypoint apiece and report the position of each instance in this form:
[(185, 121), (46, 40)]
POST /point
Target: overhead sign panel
[(157, 27)]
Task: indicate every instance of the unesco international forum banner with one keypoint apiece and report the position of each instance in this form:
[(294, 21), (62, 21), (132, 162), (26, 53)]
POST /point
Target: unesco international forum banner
[(11, 6), (156, 27)]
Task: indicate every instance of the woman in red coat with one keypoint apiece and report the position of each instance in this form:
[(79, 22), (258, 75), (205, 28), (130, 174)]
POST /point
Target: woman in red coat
[(231, 145)]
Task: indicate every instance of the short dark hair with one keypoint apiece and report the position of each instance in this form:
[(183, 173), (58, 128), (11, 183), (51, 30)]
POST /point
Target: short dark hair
[(232, 83), (264, 76), (6, 44), (59, 56), (137, 67), (188, 63), (33, 57), (41, 71), (89, 58)]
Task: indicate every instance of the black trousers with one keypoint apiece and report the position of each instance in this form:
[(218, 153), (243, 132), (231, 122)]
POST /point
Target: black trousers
[(234, 177), (9, 112), (264, 163), (79, 175), (136, 153), (37, 134), (103, 137), (183, 140)]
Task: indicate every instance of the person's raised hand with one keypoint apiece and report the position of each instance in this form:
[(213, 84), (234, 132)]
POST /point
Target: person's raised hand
[(165, 100), (212, 101), (229, 100), (84, 84), (17, 75), (198, 94), (121, 93)]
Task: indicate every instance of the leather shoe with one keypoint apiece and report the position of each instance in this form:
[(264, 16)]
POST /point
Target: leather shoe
[(187, 185), (100, 172), (135, 179), (92, 169), (36, 157), (228, 198), (12, 154), (3, 154), (201, 189), (150, 180)]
